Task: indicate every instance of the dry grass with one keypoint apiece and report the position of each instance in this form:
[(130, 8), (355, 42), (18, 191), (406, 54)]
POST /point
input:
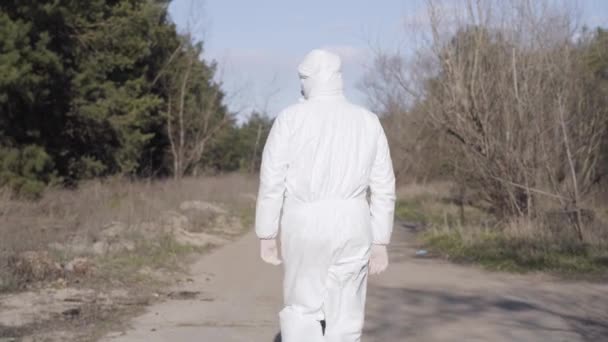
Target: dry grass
[(62, 214), (434, 204), (517, 245), (64, 217), (416, 191)]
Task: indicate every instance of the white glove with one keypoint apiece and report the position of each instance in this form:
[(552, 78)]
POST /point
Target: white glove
[(269, 251), (378, 260)]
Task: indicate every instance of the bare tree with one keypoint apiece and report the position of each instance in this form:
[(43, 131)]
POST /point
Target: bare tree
[(195, 112), (195, 106), (503, 80)]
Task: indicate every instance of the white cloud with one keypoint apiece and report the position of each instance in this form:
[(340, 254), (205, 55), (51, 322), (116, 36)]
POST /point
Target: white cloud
[(348, 53)]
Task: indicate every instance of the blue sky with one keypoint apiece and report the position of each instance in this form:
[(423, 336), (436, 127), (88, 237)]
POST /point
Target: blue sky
[(259, 43)]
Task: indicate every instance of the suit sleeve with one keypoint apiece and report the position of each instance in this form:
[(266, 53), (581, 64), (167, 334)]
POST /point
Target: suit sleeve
[(382, 192), (273, 172)]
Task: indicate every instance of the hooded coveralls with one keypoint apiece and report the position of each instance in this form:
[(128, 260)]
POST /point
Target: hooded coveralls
[(321, 157)]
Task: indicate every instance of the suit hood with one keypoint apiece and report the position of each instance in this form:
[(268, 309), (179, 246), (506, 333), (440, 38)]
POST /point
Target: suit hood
[(320, 74)]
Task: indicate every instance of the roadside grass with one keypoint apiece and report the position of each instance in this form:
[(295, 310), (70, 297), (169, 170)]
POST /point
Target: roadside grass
[(137, 267), (76, 219), (467, 234), (60, 215), (500, 252), (247, 216), (435, 208)]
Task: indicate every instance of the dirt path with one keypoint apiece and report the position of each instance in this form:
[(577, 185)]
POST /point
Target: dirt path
[(416, 300)]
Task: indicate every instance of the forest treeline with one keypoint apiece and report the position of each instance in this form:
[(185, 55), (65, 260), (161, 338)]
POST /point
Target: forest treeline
[(104, 87), (510, 102)]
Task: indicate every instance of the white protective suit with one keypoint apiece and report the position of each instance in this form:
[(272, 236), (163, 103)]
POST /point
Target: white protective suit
[(321, 157)]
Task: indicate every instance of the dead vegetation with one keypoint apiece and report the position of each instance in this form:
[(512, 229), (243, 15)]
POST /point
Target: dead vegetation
[(83, 258), (464, 232), (507, 101)]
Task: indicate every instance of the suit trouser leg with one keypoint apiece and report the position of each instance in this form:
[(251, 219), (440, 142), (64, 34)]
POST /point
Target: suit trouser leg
[(326, 253), (306, 256), (345, 302)]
